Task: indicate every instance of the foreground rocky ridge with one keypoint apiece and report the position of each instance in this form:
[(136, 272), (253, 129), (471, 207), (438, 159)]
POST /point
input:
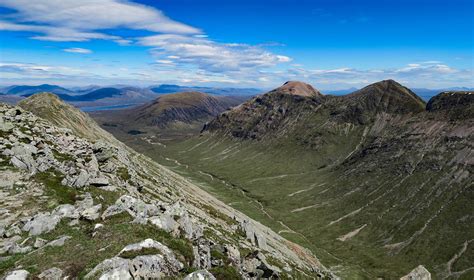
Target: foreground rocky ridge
[(79, 207)]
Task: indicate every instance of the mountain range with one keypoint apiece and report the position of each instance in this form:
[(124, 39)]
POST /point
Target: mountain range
[(94, 98), (375, 182)]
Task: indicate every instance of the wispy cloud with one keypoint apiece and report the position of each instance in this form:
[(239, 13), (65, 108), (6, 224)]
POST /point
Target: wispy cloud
[(210, 56), (78, 50), (70, 20)]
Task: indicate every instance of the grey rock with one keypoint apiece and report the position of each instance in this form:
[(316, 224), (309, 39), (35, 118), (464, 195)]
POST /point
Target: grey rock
[(53, 273), (5, 126), (111, 269), (13, 230), (253, 235), (17, 249), (81, 180), (200, 275), (18, 163), (24, 149), (17, 275), (108, 167), (99, 181), (92, 213), (192, 230), (59, 242), (233, 254), (102, 151), (141, 267), (165, 222), (135, 207), (66, 211), (41, 223), (202, 254), (419, 273), (40, 242)]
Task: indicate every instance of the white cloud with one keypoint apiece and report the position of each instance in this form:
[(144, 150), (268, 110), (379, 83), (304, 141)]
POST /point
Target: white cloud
[(72, 20), (78, 50), (210, 56)]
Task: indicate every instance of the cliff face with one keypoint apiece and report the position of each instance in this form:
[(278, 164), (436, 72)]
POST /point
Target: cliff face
[(79, 203)]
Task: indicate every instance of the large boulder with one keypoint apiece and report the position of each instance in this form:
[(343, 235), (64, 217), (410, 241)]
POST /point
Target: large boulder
[(17, 275), (148, 259), (41, 223)]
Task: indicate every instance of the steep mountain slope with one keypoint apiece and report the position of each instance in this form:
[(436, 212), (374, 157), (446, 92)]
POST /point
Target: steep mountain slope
[(371, 181), (50, 107), (76, 208), (184, 107), (267, 114), (171, 114)]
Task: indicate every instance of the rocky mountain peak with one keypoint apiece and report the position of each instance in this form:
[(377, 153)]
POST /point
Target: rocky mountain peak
[(298, 88), (457, 104), (387, 96)]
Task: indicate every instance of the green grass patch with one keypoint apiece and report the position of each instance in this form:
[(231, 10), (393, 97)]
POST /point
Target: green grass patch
[(62, 157), (225, 272), (51, 179), (122, 172)]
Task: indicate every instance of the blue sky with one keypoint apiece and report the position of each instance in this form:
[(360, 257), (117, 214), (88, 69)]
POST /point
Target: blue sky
[(331, 44)]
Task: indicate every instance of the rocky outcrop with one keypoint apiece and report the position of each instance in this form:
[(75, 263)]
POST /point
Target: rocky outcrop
[(126, 265)]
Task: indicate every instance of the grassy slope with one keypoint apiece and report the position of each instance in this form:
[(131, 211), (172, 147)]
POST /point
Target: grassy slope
[(229, 170)]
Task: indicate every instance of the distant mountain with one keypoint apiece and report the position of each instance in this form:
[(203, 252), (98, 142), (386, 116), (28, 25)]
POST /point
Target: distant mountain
[(182, 111), (30, 90), (186, 107), (165, 88)]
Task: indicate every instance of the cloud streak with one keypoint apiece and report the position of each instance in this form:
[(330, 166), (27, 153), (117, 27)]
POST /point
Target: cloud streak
[(70, 20), (77, 50)]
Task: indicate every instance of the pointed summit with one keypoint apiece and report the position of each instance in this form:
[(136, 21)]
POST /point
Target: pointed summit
[(388, 96), (297, 88)]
